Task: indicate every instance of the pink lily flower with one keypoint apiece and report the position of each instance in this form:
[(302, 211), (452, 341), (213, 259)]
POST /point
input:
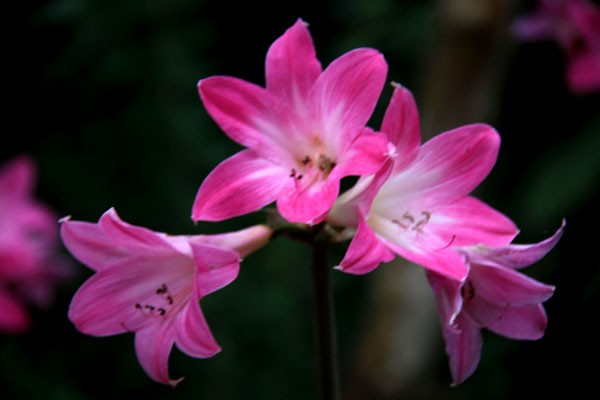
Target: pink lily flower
[(575, 25), (150, 283), (494, 296), (418, 205), (30, 263), (303, 132)]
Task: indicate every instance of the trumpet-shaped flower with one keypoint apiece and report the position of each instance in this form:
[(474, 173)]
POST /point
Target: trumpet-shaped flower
[(150, 283), (418, 205), (494, 296), (303, 132), (30, 264), (575, 25)]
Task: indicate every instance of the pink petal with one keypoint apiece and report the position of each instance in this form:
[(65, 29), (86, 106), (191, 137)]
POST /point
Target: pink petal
[(401, 125), (448, 298), (292, 65), (239, 185), (153, 346), (90, 245), (428, 250), (130, 236), (216, 268), (455, 162), (14, 317), (365, 252), (526, 322), (243, 242), (469, 221), (583, 71), (310, 204), (247, 113), (463, 347), (347, 92), (106, 303), (515, 255), (110, 241), (193, 336), (365, 156), (357, 200), (507, 287)]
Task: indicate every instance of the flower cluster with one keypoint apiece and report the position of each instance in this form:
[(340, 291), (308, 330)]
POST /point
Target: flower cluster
[(575, 26), (30, 264), (303, 133)]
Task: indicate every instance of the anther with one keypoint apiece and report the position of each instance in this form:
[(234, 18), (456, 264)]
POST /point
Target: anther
[(162, 289)]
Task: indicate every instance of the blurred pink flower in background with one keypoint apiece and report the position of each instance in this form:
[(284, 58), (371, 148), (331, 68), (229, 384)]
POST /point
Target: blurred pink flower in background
[(575, 25), (30, 263)]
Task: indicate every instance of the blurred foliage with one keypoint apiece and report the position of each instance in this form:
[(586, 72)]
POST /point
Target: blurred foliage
[(103, 95)]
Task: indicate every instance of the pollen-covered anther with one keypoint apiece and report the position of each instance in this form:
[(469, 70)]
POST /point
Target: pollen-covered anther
[(326, 164), (154, 310), (409, 222)]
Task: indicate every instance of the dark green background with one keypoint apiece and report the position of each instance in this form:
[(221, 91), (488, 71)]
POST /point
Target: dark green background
[(103, 95)]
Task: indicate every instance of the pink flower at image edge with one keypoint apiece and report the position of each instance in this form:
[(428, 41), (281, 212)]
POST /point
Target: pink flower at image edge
[(30, 262)]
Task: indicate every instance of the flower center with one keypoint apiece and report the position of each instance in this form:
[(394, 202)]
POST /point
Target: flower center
[(159, 304), (311, 169)]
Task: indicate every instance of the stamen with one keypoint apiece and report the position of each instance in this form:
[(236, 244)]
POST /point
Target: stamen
[(449, 243), (408, 221), (326, 164), (162, 289), (150, 309), (426, 216)]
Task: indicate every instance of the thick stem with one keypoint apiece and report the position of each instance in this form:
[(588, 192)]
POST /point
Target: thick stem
[(329, 385)]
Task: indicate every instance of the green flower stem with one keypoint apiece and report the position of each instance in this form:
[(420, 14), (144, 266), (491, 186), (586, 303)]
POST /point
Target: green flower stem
[(327, 354), (319, 238)]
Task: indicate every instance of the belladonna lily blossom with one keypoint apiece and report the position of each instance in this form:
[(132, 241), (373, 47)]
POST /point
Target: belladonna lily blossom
[(494, 296), (575, 25), (303, 132), (418, 205), (150, 283), (30, 263)]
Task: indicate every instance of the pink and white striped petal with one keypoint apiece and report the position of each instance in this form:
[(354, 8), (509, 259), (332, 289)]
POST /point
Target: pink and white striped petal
[(515, 255), (241, 184), (192, 334), (345, 94), (365, 252), (507, 287), (525, 323), (402, 127), (463, 347), (223, 268), (153, 346), (292, 66)]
